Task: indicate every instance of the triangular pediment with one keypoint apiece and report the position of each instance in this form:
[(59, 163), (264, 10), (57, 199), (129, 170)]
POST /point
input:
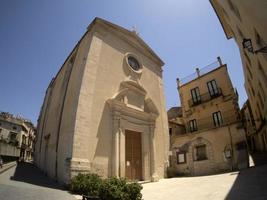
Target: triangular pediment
[(130, 37)]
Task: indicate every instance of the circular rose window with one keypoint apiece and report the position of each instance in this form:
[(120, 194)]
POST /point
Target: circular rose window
[(134, 64)]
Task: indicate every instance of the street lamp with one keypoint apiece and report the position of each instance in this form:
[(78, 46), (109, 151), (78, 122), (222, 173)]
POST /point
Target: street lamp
[(247, 44)]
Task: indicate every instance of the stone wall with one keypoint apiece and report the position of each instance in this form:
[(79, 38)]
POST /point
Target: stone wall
[(9, 150)]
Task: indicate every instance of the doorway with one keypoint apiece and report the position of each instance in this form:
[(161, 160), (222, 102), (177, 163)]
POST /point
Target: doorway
[(133, 155)]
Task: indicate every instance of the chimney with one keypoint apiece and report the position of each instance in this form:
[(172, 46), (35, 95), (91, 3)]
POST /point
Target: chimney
[(198, 72), (219, 60), (178, 82)]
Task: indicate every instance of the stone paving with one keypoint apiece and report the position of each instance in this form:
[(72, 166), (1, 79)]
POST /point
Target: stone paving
[(7, 166), (26, 182), (249, 184)]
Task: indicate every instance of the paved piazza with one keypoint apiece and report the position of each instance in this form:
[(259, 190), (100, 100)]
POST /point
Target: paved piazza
[(27, 182), (249, 184)]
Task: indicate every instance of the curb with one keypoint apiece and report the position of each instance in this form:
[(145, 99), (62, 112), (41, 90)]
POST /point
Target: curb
[(8, 166)]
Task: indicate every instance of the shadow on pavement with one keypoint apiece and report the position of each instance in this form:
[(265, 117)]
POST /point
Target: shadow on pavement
[(250, 184), (28, 173), (259, 158)]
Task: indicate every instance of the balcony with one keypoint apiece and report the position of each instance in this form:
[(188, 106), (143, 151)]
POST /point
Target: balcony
[(228, 117), (200, 72), (205, 98)]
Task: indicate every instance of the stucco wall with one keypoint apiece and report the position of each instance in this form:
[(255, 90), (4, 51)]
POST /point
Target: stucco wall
[(216, 140)]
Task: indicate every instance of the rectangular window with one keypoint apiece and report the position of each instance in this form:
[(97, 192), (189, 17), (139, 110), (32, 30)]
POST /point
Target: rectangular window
[(170, 131), (201, 153), (181, 157), (217, 119), (12, 136), (195, 94), (193, 125), (213, 89), (24, 139)]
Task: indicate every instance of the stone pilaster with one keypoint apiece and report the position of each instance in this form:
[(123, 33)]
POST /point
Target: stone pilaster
[(116, 143), (154, 175)]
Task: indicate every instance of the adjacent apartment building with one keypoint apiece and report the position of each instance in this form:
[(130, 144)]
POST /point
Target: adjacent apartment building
[(16, 137), (104, 112), (246, 22), (207, 137), (249, 126)]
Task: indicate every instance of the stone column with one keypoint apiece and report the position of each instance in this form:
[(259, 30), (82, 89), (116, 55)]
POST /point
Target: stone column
[(154, 176), (115, 145), (122, 152)]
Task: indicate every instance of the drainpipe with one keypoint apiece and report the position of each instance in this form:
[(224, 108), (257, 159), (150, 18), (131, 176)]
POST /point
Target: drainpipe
[(232, 148)]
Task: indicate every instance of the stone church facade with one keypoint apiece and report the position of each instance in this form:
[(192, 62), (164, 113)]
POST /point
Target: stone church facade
[(104, 112)]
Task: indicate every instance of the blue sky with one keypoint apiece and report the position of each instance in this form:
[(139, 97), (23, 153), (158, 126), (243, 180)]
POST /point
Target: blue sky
[(37, 36)]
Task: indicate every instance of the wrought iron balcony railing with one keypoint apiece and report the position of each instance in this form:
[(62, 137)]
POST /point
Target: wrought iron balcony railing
[(205, 98), (228, 117)]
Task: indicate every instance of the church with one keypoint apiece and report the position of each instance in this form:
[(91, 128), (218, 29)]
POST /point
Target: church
[(104, 111)]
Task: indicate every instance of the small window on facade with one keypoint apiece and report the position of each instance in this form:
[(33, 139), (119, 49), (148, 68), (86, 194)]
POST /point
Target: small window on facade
[(195, 94), (201, 153), (181, 157), (213, 89), (217, 119), (193, 125), (170, 131), (14, 128), (12, 136), (24, 139)]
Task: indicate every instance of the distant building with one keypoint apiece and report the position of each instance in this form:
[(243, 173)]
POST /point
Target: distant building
[(104, 112), (176, 128), (249, 126), (213, 139), (176, 123), (246, 22), (16, 137)]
